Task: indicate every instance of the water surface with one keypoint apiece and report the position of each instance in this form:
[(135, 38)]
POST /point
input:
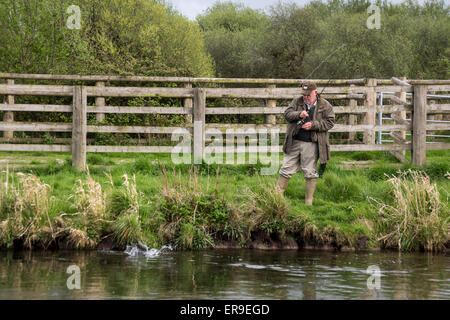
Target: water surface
[(224, 274)]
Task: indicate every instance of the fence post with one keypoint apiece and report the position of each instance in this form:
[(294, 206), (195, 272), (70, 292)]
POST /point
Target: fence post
[(79, 128), (369, 117), (400, 136), (432, 116), (100, 102), (352, 120), (188, 103), (199, 124), (419, 139), (271, 118), (8, 116)]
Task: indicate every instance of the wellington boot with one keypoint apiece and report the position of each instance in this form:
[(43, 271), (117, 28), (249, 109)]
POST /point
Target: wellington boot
[(282, 184), (310, 189)]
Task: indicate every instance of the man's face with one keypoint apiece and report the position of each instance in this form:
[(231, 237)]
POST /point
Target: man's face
[(311, 98)]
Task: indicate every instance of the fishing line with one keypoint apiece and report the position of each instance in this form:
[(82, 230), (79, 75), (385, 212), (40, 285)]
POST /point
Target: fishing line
[(324, 60)]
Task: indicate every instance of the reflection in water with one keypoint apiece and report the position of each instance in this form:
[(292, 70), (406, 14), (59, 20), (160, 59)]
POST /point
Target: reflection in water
[(223, 274)]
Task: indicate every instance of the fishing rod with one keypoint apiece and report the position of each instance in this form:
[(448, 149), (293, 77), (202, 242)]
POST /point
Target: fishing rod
[(329, 79), (325, 60)]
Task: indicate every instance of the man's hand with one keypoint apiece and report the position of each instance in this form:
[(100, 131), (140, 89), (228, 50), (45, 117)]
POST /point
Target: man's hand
[(307, 126), (304, 114)]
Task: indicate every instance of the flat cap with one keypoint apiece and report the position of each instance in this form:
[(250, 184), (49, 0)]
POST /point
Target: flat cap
[(308, 87)]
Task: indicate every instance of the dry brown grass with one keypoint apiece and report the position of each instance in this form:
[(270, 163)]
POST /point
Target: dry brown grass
[(79, 239), (89, 198), (25, 200), (417, 218), (132, 194), (89, 201), (3, 229)]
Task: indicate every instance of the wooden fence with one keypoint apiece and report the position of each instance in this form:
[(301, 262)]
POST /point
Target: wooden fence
[(360, 94)]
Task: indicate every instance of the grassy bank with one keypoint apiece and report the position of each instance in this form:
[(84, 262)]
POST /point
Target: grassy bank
[(364, 200)]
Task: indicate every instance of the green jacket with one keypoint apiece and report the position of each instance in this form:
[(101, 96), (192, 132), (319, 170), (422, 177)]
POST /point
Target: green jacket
[(323, 121)]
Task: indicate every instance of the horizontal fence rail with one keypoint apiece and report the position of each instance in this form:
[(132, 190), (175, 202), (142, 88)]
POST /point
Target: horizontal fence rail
[(416, 97)]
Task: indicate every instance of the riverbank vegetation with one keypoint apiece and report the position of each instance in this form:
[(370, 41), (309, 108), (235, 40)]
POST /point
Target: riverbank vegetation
[(147, 199)]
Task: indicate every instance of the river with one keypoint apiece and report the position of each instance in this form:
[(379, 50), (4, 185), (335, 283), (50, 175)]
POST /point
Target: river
[(223, 274)]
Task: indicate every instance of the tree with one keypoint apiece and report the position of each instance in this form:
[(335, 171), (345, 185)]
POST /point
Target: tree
[(234, 36), (293, 32), (145, 37), (35, 38)]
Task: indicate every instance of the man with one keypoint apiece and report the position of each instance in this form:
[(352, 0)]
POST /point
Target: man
[(309, 118)]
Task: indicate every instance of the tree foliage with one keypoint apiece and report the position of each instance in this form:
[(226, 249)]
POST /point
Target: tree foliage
[(292, 41), (234, 36), (149, 37), (145, 37)]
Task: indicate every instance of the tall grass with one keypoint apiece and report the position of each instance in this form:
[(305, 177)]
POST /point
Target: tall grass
[(191, 211), (127, 229), (89, 198), (266, 209), (124, 207), (24, 208), (417, 219), (87, 223)]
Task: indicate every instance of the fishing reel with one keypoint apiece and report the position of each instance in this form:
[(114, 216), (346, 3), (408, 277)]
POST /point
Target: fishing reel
[(304, 121)]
